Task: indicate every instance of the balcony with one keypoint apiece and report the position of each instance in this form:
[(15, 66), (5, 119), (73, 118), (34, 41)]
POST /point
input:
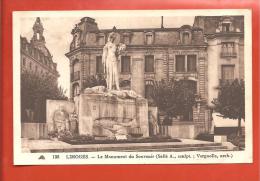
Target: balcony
[(186, 75), (75, 76), (149, 75), (228, 54)]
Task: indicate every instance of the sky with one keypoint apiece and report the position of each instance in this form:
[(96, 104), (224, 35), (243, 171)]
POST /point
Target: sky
[(57, 33)]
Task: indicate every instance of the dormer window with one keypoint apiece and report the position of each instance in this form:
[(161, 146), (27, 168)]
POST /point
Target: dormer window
[(185, 34), (186, 38), (149, 38), (126, 39), (226, 27), (100, 39)]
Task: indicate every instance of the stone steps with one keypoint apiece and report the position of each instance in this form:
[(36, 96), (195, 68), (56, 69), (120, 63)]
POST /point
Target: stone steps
[(204, 148), (139, 147)]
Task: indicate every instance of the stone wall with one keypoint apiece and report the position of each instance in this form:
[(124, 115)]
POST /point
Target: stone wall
[(95, 106), (180, 130), (34, 130)]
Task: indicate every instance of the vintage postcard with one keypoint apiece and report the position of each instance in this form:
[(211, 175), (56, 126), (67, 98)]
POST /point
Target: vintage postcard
[(132, 87)]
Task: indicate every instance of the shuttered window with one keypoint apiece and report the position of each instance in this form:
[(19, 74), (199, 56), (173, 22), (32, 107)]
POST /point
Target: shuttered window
[(180, 63), (191, 63), (125, 64), (149, 63), (149, 39), (99, 65)]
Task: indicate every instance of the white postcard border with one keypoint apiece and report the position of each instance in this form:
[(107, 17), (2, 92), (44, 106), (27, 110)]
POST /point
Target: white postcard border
[(21, 158)]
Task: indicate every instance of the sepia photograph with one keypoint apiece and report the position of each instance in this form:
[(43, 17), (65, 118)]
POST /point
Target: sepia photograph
[(106, 87)]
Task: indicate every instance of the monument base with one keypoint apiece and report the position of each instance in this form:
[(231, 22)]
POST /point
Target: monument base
[(111, 116)]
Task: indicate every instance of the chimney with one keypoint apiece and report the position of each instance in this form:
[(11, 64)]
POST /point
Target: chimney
[(162, 22)]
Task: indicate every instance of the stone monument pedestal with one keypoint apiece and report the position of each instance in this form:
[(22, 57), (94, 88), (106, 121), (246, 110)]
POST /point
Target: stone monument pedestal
[(103, 115)]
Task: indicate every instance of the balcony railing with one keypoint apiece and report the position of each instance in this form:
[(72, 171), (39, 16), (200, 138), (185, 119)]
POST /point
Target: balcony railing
[(75, 76), (228, 54)]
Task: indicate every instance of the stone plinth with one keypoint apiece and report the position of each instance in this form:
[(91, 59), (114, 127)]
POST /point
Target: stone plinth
[(220, 138), (103, 109)]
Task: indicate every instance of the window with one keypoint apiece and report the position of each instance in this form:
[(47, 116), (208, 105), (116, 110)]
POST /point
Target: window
[(36, 68), (125, 64), (228, 72), (149, 63), (186, 38), (191, 63), (226, 27), (180, 63), (76, 70), (76, 40), (99, 65), (30, 65), (126, 39), (101, 40), (24, 62), (149, 39), (228, 49)]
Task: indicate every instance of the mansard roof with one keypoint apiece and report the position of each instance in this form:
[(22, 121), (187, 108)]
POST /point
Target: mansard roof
[(209, 24)]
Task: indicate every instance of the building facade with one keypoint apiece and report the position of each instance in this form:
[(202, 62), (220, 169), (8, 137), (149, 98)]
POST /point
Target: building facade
[(185, 54), (37, 61), (35, 56), (225, 39)]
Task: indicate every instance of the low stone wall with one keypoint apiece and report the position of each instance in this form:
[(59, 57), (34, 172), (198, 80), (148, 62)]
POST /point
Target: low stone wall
[(34, 130), (178, 130)]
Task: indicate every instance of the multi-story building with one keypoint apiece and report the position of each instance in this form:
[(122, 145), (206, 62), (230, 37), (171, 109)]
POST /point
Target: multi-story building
[(225, 39), (35, 56), (36, 60), (200, 55)]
